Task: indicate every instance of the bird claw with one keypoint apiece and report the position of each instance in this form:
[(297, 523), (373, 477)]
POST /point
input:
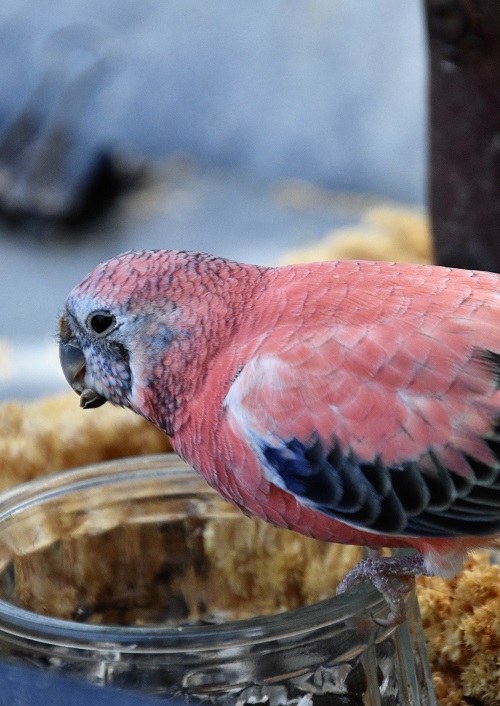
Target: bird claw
[(381, 572)]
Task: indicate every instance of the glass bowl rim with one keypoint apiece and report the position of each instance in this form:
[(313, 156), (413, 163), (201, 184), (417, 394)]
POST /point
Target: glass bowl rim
[(358, 605)]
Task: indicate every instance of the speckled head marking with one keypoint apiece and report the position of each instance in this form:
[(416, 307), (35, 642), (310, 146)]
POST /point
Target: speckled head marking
[(154, 275)]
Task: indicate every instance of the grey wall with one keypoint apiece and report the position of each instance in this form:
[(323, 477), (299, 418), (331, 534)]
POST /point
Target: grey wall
[(327, 90)]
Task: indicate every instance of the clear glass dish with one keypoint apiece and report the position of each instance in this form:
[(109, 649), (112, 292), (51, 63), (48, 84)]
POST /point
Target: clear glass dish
[(104, 577)]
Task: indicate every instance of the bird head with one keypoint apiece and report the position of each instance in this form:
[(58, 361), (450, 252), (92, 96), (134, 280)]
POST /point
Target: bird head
[(140, 327), (108, 320)]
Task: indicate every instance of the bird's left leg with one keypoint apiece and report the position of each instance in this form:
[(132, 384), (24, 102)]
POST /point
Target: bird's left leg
[(381, 572)]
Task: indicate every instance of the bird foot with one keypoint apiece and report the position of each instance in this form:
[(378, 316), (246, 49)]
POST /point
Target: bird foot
[(381, 572)]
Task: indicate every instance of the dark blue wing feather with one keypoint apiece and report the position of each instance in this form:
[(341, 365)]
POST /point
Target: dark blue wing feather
[(408, 499)]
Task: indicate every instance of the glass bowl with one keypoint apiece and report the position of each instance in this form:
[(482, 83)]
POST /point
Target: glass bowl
[(105, 577)]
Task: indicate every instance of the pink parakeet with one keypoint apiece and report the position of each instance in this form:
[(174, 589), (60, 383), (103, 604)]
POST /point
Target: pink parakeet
[(355, 402)]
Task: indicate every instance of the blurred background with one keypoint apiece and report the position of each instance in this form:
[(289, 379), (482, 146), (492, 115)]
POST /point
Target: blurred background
[(243, 129)]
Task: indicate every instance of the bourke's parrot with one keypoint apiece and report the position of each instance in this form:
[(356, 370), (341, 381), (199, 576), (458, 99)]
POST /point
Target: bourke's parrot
[(355, 402)]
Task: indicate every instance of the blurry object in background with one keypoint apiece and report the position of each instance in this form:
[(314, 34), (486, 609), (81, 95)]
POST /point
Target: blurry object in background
[(329, 92), (49, 172), (464, 180), (54, 434), (385, 233)]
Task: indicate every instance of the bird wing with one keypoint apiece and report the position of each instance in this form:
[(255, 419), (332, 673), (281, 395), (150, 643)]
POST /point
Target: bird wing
[(389, 428)]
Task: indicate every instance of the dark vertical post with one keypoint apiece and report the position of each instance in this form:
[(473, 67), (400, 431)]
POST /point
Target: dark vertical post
[(464, 117)]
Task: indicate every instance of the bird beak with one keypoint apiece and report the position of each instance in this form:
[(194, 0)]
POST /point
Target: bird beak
[(73, 366)]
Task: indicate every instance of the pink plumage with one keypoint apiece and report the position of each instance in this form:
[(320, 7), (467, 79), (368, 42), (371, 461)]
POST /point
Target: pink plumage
[(356, 402)]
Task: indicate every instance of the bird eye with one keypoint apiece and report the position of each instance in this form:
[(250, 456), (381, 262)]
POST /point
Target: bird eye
[(101, 322)]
